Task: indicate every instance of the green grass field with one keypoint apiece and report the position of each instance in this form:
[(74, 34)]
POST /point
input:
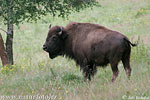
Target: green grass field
[(35, 74)]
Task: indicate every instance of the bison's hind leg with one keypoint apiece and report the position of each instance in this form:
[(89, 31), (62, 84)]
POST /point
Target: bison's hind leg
[(126, 62), (114, 67), (114, 61)]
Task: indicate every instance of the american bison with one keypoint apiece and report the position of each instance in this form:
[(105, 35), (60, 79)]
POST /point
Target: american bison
[(90, 45)]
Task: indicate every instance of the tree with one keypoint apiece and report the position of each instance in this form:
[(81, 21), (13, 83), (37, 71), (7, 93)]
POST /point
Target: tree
[(14, 12), (3, 52)]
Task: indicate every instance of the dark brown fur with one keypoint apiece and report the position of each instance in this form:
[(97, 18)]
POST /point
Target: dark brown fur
[(90, 45)]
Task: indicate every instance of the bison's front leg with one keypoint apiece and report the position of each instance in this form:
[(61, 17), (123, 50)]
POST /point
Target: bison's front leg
[(88, 72)]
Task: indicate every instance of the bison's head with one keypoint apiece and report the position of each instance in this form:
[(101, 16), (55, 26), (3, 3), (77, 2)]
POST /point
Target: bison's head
[(55, 41)]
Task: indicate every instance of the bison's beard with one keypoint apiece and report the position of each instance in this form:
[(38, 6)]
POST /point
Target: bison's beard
[(54, 52), (52, 56)]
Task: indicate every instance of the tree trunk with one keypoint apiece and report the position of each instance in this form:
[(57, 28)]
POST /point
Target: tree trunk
[(3, 54), (9, 40), (9, 45)]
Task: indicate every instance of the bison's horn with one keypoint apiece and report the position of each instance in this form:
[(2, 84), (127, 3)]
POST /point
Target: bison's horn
[(61, 30), (50, 26)]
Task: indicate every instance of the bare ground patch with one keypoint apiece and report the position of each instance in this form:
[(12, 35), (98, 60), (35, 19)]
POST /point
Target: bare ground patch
[(144, 39)]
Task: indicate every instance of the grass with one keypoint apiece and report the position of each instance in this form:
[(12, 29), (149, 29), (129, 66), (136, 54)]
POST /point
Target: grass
[(34, 73)]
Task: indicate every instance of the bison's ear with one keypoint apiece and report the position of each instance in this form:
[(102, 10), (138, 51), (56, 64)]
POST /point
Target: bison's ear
[(62, 33), (50, 26)]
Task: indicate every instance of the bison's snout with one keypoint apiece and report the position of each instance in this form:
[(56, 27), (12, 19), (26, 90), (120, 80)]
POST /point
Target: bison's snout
[(44, 47)]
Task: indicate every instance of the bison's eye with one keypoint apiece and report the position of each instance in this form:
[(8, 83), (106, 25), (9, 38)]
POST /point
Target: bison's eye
[(54, 38)]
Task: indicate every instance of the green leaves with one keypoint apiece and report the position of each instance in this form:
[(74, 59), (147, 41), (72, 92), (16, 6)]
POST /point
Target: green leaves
[(32, 10)]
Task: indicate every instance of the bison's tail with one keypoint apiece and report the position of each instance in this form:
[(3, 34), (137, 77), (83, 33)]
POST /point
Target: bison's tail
[(130, 42)]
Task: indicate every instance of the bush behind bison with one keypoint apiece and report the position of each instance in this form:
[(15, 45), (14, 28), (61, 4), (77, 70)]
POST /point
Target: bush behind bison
[(90, 45)]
